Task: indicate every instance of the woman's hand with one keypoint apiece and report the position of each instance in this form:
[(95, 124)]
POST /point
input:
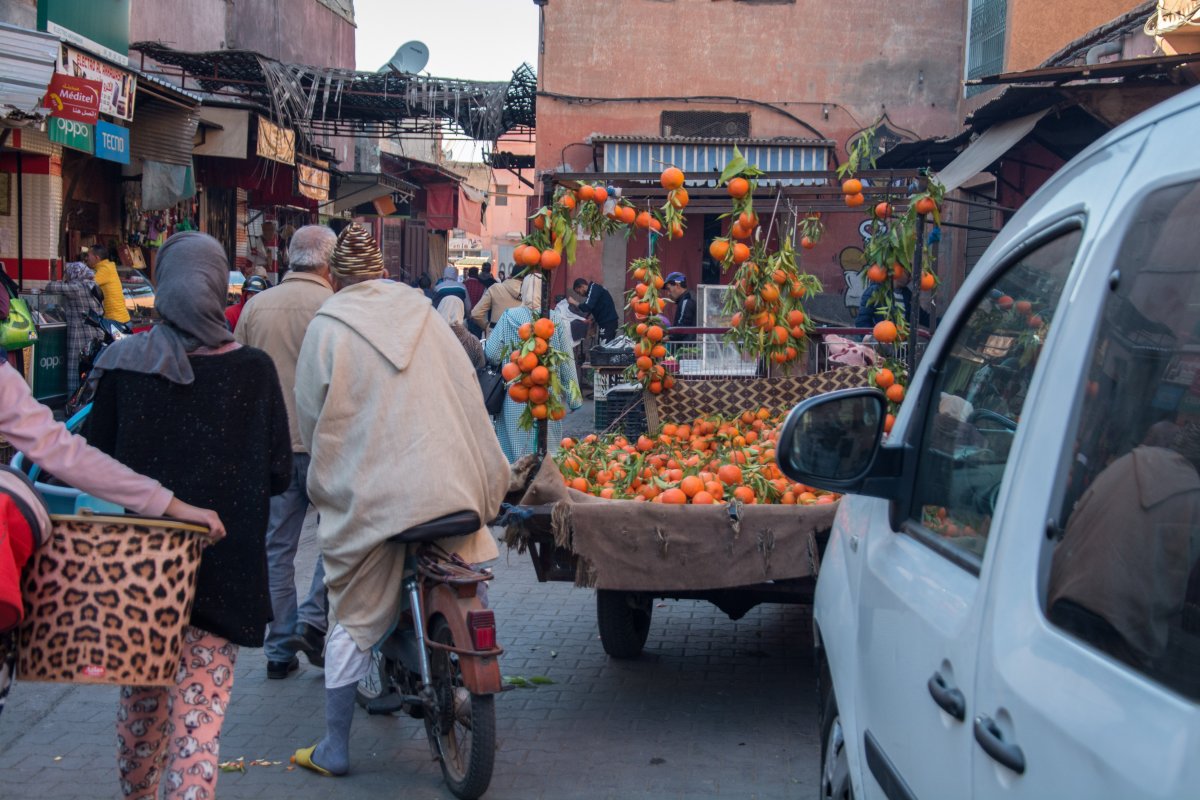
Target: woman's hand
[(200, 516)]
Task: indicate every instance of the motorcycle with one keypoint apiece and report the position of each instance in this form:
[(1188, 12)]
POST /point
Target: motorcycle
[(440, 664), (112, 331)]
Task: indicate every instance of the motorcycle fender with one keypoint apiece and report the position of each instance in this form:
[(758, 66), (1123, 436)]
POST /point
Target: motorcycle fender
[(481, 674)]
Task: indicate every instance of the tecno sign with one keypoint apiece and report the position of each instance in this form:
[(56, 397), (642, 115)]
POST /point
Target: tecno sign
[(112, 142), (71, 98)]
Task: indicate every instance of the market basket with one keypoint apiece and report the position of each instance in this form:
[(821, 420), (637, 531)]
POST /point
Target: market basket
[(107, 599)]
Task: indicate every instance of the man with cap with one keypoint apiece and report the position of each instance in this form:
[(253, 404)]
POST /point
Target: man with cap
[(390, 411), (685, 306), (275, 322)]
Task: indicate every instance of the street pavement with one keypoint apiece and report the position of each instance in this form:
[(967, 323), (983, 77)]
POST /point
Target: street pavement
[(713, 709)]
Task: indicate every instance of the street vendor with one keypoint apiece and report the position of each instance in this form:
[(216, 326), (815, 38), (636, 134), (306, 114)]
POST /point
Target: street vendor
[(685, 306), (390, 410)]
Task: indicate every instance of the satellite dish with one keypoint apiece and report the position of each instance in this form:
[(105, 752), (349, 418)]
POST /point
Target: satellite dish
[(411, 57)]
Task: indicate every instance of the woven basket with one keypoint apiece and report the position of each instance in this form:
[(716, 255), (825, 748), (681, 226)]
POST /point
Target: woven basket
[(107, 599), (690, 399)]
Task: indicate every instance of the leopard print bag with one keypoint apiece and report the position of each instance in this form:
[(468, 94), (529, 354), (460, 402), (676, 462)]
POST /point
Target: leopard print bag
[(107, 599)]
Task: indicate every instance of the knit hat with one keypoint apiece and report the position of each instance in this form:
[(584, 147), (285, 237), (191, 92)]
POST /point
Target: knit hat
[(356, 253)]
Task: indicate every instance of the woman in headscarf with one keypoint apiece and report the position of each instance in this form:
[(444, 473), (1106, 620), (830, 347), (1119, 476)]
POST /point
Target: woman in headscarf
[(79, 296), (187, 405), (452, 310), (504, 339)]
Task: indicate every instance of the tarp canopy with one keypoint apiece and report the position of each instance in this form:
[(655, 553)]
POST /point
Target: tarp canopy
[(984, 151)]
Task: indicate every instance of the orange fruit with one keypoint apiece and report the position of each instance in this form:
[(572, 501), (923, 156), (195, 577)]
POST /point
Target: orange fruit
[(658, 351), (642, 220), (539, 394), (884, 378), (876, 273), (807, 243), (719, 249), (748, 220), (741, 253), (899, 273), (925, 205), (644, 363), (1023, 307), (525, 331), (738, 232), (533, 256), (797, 290), (539, 411), (567, 201), (509, 372), (601, 194), (852, 186), (770, 294), (855, 200), (655, 225), (518, 393), (795, 317), (674, 496), (779, 276), (586, 193), (543, 328), (888, 422), (550, 259), (744, 494), (780, 335), (885, 332), (738, 187), (567, 443), (539, 222), (883, 210), (691, 485), (579, 484), (928, 282), (679, 198), (540, 346), (655, 387), (895, 393), (527, 362), (671, 178), (654, 333), (703, 498), (540, 375), (676, 230), (729, 474)]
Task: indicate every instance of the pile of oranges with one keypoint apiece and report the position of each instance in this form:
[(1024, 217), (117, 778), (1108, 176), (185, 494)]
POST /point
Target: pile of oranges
[(531, 373), (710, 461)]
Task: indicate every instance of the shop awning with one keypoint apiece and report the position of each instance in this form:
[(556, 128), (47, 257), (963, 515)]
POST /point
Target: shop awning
[(987, 149), (704, 156), (356, 188), (27, 60), (450, 206)]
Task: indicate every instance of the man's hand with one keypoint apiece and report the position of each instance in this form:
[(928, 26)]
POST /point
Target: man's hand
[(519, 472), (200, 516)]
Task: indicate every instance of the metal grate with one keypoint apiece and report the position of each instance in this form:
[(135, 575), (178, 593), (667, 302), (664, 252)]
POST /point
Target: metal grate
[(985, 44), (704, 123)]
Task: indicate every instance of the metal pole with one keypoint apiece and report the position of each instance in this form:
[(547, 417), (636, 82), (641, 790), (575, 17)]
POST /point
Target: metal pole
[(914, 306), (20, 223)]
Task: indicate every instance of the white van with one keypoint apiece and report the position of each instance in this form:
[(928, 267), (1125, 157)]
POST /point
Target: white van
[(1009, 603)]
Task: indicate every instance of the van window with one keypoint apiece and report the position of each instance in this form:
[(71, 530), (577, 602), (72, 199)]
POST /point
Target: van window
[(978, 395), (1123, 576)]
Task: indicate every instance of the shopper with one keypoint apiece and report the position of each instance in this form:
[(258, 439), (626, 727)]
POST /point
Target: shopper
[(109, 281), (80, 295), (496, 300), (390, 410), (504, 340), (485, 275), (599, 303), (451, 310), (275, 323), (187, 405)]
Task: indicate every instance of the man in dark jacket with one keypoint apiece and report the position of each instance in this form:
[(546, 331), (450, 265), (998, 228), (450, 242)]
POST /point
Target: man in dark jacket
[(599, 304), (685, 306)]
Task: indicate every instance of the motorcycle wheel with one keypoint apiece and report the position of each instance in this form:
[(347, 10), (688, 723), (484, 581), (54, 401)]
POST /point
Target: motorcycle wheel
[(463, 727)]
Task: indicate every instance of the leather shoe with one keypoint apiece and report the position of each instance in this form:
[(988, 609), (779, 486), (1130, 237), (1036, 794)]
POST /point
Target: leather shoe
[(310, 641), (278, 670)]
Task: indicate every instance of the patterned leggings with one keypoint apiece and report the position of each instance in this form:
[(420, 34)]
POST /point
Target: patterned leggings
[(176, 730)]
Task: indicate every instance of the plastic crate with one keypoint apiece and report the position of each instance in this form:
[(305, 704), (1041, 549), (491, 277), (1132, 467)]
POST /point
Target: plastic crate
[(614, 404)]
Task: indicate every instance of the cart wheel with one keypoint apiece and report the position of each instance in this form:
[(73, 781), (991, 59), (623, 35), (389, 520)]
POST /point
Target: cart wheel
[(624, 619)]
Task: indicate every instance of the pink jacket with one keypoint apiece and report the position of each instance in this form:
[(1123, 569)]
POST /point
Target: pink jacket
[(32, 429)]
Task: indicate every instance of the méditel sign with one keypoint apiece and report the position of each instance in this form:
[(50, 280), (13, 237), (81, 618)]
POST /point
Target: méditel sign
[(72, 98), (69, 133), (112, 142)]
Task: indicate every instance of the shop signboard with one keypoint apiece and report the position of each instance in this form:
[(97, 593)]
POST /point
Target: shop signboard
[(112, 142), (312, 181), (101, 27), (75, 99), (118, 85), (276, 143), (69, 133), (50, 362)]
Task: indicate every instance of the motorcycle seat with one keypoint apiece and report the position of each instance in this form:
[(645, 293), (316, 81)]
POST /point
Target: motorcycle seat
[(460, 523)]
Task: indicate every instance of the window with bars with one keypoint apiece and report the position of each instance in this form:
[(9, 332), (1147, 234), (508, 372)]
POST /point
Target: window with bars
[(704, 123), (985, 40)]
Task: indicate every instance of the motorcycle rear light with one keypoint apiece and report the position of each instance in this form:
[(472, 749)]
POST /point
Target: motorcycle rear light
[(483, 629)]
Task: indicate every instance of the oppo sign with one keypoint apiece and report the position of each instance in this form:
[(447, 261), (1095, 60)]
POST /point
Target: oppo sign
[(70, 133)]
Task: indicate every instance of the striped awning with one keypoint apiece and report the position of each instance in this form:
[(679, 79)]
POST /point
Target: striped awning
[(701, 159)]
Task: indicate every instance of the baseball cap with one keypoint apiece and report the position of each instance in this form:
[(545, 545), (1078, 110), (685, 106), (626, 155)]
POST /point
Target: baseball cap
[(677, 277)]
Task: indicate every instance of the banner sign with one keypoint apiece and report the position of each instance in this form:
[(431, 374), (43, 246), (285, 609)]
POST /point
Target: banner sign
[(67, 132), (119, 86), (312, 181), (276, 143), (76, 99), (101, 26), (112, 142)]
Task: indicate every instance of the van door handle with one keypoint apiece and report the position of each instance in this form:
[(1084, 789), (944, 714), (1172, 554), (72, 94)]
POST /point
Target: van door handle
[(991, 739), (949, 699)]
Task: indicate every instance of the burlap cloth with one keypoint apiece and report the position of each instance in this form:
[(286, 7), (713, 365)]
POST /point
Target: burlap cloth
[(635, 546)]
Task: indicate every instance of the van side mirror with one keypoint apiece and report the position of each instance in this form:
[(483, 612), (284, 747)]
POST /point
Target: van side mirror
[(833, 441)]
